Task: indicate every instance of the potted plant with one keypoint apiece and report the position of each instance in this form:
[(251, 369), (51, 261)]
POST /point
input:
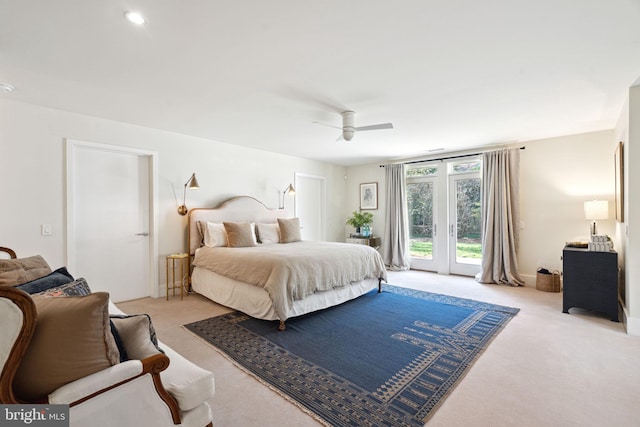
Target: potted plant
[(359, 220)]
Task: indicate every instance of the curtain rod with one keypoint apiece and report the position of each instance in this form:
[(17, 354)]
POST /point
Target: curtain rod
[(446, 158)]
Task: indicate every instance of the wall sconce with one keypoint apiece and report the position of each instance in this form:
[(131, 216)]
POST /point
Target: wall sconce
[(192, 182), (290, 191), (596, 209)]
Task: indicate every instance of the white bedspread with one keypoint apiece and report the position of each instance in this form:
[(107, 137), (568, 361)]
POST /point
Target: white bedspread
[(293, 271)]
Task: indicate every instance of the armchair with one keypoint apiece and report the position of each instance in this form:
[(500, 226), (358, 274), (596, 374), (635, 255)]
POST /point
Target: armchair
[(130, 393)]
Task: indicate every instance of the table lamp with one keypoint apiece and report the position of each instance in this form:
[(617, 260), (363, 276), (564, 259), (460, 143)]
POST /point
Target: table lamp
[(594, 210)]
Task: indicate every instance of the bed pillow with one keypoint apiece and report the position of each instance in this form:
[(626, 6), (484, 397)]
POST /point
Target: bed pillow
[(72, 339), (289, 230), (239, 234), (214, 235), (268, 233), (20, 270), (137, 335), (51, 280)]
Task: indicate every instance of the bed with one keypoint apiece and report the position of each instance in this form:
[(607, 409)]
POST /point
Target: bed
[(267, 279)]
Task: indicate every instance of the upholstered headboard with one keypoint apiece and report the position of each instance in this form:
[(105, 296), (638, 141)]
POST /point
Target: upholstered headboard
[(236, 209)]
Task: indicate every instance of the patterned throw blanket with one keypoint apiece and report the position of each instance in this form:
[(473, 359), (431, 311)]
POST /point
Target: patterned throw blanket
[(293, 271)]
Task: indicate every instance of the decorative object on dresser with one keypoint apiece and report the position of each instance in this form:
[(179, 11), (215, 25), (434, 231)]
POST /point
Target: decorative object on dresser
[(600, 243), (594, 210), (192, 182), (590, 281), (369, 196), (360, 221)]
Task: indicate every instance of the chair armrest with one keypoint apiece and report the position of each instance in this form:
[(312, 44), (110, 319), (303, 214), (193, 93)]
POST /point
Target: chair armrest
[(87, 388), (94, 383)]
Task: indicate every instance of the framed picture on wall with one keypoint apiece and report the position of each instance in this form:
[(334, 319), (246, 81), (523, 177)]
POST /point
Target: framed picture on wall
[(369, 195), (619, 165)]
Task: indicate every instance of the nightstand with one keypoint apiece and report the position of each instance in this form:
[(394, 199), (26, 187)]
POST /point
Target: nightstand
[(177, 282), (374, 242)]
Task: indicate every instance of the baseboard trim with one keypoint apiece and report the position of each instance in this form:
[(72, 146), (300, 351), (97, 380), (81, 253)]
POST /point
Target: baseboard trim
[(631, 324)]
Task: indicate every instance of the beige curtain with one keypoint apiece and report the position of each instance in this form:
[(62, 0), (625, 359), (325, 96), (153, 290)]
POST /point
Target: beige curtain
[(395, 243), (500, 217)]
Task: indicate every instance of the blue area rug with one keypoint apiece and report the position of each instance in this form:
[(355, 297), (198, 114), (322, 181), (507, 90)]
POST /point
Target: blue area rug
[(384, 359)]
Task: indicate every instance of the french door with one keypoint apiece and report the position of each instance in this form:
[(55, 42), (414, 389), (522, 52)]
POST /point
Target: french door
[(444, 217), (465, 245)]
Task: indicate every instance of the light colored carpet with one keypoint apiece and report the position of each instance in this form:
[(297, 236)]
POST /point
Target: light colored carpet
[(546, 368)]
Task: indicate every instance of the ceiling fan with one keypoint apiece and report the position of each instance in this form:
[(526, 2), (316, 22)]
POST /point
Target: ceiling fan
[(349, 129)]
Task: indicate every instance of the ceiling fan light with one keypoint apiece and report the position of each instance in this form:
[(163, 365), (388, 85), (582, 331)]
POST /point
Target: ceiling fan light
[(348, 135), (135, 17)]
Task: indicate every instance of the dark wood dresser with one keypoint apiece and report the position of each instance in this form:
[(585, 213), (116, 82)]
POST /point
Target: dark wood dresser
[(590, 281)]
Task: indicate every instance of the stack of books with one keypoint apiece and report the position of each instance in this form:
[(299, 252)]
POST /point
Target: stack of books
[(600, 243)]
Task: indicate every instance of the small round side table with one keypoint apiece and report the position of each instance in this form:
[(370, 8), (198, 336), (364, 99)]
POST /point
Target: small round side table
[(182, 282)]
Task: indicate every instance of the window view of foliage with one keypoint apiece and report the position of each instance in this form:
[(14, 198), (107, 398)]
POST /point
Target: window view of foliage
[(466, 167), (423, 171), (420, 205), (469, 219)]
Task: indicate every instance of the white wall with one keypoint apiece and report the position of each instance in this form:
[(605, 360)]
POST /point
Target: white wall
[(557, 176), (32, 171)]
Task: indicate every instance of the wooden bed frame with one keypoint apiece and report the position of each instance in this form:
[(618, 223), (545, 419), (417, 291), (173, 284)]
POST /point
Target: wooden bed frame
[(249, 209)]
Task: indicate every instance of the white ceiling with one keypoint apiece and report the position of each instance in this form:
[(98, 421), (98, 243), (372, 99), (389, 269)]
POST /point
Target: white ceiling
[(449, 74)]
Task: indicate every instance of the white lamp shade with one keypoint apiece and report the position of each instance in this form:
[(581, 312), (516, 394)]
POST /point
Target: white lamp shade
[(596, 209)]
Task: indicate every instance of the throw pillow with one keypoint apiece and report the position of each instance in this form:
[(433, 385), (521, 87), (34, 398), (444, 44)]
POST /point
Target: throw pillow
[(289, 230), (239, 234), (78, 287), (214, 235), (268, 233), (72, 339), (20, 270), (51, 280), (137, 335)]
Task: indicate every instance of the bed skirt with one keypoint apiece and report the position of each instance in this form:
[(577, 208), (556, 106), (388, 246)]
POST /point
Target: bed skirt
[(255, 301)]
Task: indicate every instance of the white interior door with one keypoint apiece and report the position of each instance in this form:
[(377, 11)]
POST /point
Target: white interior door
[(110, 220), (310, 206)]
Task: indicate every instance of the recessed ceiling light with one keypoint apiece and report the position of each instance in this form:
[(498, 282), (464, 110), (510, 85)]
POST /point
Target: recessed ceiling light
[(6, 87), (135, 17)]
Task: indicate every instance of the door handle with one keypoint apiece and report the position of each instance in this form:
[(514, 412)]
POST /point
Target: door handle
[(435, 229), (142, 234)]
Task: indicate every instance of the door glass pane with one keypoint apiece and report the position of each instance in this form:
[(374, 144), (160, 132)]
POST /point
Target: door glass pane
[(468, 240), (420, 204)]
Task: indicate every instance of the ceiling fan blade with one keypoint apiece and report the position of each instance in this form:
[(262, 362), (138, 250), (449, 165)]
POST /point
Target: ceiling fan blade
[(375, 127), (326, 124)]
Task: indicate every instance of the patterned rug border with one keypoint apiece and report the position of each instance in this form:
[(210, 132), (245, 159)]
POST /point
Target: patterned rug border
[(451, 383), (255, 376)]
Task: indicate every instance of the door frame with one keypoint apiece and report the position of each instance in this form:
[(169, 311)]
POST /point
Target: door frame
[(71, 145)]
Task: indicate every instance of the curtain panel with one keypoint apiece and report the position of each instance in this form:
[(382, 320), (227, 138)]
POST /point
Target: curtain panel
[(395, 244), (500, 217)]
